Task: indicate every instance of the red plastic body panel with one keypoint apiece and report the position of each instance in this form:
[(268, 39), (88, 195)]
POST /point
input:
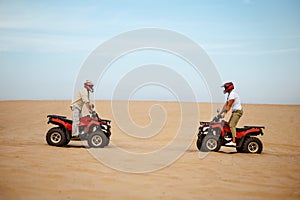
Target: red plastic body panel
[(67, 125), (87, 122), (224, 127), (240, 134)]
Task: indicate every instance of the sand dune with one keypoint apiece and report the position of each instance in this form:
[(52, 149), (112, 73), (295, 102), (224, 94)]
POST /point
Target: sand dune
[(31, 169)]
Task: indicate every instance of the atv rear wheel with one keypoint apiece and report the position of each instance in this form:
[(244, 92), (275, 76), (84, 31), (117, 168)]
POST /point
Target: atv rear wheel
[(210, 143), (97, 140), (252, 145), (56, 137)]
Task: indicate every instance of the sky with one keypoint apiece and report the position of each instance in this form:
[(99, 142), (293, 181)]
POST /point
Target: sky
[(254, 43)]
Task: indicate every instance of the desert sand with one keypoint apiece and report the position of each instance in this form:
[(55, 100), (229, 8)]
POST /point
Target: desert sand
[(31, 169)]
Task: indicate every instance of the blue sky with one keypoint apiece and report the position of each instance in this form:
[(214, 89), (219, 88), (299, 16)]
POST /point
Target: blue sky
[(255, 43)]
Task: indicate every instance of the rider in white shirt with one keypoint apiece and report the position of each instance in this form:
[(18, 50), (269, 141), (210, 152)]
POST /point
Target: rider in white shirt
[(234, 103)]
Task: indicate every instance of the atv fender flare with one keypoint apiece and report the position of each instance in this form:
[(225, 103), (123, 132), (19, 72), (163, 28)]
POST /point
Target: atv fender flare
[(218, 131), (240, 142), (67, 132)]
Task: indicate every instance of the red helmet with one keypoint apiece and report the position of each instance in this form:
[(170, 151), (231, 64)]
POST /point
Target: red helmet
[(228, 87), (89, 86)]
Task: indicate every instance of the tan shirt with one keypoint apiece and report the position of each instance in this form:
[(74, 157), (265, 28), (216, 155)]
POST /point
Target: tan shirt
[(82, 97)]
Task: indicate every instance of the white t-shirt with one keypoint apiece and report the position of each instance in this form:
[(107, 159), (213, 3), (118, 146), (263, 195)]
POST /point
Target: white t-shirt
[(237, 102)]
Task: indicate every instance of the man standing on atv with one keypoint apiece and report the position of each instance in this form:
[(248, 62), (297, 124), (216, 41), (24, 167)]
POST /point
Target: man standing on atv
[(82, 98), (234, 103)]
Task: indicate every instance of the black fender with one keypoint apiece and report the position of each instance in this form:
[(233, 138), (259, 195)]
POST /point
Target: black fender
[(201, 136), (68, 134), (215, 131), (66, 131), (240, 141)]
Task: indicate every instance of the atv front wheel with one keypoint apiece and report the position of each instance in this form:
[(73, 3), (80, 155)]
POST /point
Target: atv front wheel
[(199, 144), (56, 137), (199, 141), (252, 145), (210, 143), (97, 140), (107, 134)]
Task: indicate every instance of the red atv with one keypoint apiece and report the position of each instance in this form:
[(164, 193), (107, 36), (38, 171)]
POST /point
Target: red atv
[(91, 128), (212, 135)]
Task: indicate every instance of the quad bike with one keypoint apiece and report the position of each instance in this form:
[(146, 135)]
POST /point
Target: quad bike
[(91, 128), (212, 135)]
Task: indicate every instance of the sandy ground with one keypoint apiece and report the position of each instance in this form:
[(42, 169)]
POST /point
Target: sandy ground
[(31, 169)]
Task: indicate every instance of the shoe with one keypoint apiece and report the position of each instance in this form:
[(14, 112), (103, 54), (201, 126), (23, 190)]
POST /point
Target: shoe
[(75, 135), (231, 144)]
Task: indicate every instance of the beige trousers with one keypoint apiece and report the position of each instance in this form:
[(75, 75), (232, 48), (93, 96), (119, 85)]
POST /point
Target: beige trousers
[(76, 115), (234, 119)]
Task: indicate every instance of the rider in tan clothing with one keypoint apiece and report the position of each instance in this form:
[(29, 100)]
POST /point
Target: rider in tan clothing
[(82, 98)]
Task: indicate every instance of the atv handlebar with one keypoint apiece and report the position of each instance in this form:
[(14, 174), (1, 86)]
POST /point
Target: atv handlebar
[(94, 114), (217, 118)]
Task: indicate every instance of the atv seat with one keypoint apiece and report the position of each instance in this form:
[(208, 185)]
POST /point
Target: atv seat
[(63, 118), (245, 128), (57, 116), (255, 127)]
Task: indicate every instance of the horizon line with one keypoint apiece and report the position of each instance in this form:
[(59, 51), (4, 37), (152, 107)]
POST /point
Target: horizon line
[(246, 103)]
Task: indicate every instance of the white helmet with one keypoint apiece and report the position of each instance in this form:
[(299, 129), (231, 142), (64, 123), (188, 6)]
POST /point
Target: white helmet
[(89, 86)]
